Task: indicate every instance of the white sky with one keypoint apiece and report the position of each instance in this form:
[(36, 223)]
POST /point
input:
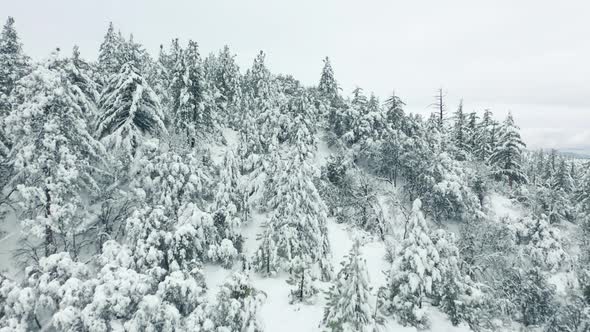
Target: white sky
[(530, 57)]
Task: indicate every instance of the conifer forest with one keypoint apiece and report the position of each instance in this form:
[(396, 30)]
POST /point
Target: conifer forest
[(181, 192)]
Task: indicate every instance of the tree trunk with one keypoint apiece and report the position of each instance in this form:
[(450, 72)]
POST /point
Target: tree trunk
[(301, 286), (49, 241)]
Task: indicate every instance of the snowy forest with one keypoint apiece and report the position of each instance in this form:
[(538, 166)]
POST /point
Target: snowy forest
[(179, 192)]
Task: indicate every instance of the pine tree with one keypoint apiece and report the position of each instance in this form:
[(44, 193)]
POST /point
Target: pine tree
[(110, 57), (238, 305), (583, 193), (394, 113), (348, 305), (298, 224), (166, 177), (459, 129), (328, 87), (485, 145), (507, 157), (258, 79), (87, 90), (227, 80), (13, 64), (55, 156), (456, 294), (230, 208), (163, 242), (301, 280), (471, 134), (194, 114), (531, 296), (130, 111), (414, 273), (562, 179)]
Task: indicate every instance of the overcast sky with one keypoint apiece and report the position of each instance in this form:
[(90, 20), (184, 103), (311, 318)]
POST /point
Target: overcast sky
[(529, 57)]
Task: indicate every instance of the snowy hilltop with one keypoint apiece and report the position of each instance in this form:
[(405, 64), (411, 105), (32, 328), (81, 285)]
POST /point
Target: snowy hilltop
[(181, 193)]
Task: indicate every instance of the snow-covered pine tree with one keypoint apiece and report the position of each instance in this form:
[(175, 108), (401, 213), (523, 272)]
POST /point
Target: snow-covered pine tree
[(158, 77), (583, 193), (51, 296), (129, 112), (14, 64), (227, 80), (507, 157), (55, 156), (134, 53), (193, 110), (484, 147), (258, 79), (531, 296), (302, 126), (298, 224), (110, 57), (460, 130), (414, 274), (118, 289), (348, 305), (328, 87), (163, 243), (266, 259), (394, 113), (562, 179), (303, 288), (456, 294), (238, 304), (164, 176), (80, 75), (231, 208), (229, 195), (353, 119), (471, 132)]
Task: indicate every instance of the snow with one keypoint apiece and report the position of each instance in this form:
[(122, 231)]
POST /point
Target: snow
[(10, 231), (502, 206)]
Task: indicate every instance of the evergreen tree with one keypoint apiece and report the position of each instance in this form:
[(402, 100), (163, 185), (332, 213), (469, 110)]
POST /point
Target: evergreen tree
[(471, 134), (348, 305), (507, 157), (583, 193), (169, 178), (562, 179), (227, 81), (485, 142), (328, 87), (230, 209), (302, 281), (460, 129), (13, 64), (531, 296), (110, 57), (298, 224), (87, 90), (456, 294), (55, 157), (394, 113), (258, 79), (414, 273), (194, 114), (238, 305), (130, 110)]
